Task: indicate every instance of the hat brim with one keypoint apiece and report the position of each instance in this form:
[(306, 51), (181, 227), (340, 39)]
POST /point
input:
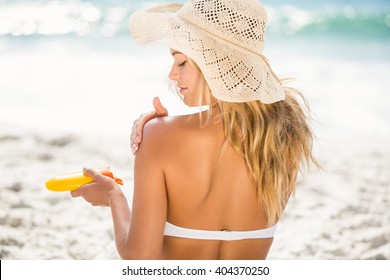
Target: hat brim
[(234, 74)]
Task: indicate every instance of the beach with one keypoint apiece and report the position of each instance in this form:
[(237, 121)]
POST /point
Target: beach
[(339, 213), (67, 102)]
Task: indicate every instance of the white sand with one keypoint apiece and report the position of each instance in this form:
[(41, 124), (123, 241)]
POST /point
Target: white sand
[(341, 213), (39, 224)]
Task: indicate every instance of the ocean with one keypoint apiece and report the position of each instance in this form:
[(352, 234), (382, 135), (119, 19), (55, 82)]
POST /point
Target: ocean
[(71, 66)]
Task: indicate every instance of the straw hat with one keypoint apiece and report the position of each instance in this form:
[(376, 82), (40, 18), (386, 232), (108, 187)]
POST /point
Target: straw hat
[(224, 37)]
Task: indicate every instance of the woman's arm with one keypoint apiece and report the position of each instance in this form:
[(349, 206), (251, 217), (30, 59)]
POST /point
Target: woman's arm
[(138, 234), (105, 192), (149, 215)]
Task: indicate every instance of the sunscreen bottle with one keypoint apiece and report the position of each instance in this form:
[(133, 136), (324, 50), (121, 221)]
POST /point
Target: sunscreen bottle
[(72, 181)]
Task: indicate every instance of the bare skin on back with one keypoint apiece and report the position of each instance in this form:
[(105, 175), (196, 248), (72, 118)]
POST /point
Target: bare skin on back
[(205, 189)]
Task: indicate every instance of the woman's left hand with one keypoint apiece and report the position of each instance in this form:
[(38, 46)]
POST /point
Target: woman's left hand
[(138, 125), (97, 193)]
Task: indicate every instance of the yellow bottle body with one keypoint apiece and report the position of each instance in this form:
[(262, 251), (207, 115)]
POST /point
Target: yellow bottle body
[(68, 182), (72, 181)]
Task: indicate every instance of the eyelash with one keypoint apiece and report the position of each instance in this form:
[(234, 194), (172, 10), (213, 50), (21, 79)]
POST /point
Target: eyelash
[(182, 64)]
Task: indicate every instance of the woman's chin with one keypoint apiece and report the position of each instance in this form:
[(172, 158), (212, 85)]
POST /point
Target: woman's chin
[(189, 103)]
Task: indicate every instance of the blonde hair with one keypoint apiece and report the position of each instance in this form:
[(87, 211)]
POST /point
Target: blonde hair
[(274, 139)]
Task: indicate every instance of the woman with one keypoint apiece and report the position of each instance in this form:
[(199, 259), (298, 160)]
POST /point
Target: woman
[(211, 185)]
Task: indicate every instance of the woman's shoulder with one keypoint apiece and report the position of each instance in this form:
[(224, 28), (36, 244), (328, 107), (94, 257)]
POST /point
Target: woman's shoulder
[(165, 126), (169, 133), (169, 130)]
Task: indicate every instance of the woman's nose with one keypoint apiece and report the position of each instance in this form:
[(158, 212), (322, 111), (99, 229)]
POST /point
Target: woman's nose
[(174, 74)]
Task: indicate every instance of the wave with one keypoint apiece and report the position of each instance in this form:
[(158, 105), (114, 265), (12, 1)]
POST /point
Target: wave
[(330, 20), (110, 18)]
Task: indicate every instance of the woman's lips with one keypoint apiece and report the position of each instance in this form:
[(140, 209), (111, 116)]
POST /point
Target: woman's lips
[(182, 90)]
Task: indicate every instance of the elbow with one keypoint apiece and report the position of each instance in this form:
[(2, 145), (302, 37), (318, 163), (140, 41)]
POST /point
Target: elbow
[(134, 251)]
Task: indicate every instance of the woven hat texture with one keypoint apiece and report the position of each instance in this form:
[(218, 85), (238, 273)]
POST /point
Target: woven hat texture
[(224, 37)]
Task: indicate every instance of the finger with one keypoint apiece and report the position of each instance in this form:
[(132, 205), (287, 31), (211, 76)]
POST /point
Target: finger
[(133, 132), (136, 131), (76, 193), (134, 148), (161, 111), (91, 173), (139, 127)]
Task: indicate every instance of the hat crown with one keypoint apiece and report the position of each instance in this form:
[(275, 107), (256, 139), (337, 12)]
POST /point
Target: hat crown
[(239, 22)]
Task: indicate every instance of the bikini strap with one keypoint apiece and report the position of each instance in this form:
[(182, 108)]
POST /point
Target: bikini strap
[(175, 231)]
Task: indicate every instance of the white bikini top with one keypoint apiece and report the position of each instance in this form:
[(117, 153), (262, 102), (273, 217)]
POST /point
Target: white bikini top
[(175, 231)]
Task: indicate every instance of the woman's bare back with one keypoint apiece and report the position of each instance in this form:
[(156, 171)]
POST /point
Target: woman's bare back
[(207, 190)]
